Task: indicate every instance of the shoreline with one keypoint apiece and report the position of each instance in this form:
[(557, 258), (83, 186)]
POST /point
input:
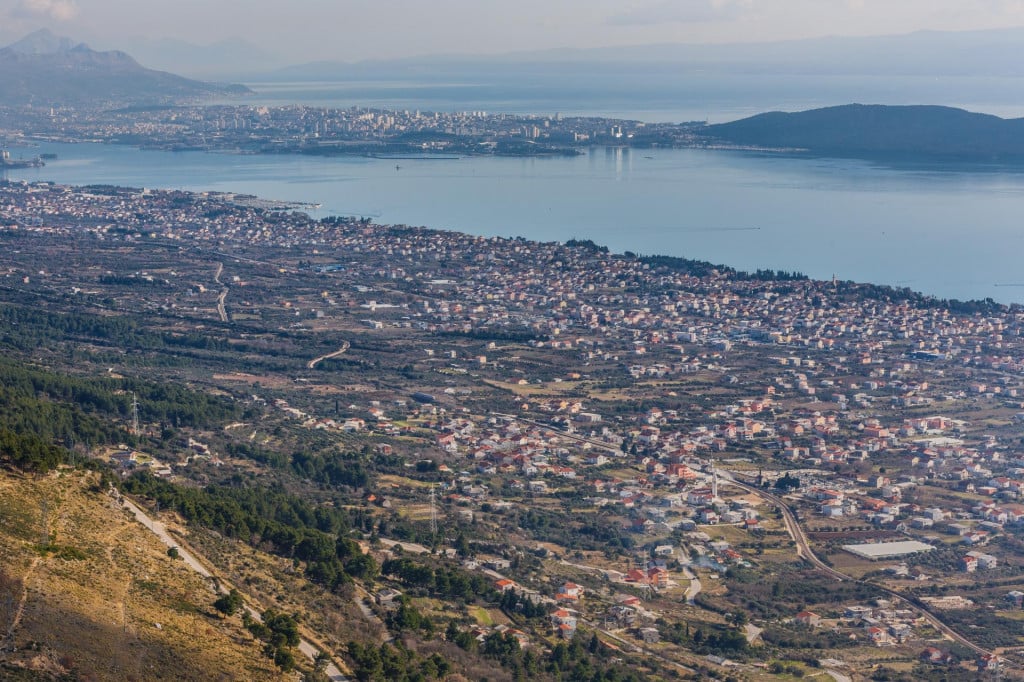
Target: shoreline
[(361, 187), (693, 267)]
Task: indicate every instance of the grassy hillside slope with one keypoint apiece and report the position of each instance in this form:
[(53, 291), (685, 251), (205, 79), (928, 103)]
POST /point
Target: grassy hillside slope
[(102, 600)]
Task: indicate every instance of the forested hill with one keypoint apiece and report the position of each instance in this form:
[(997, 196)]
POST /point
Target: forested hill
[(879, 130)]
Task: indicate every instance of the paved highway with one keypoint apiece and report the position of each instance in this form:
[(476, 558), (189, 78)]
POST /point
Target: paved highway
[(565, 434), (805, 552)]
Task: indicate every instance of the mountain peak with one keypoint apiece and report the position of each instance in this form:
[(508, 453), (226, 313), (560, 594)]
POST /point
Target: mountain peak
[(43, 41), (43, 69)]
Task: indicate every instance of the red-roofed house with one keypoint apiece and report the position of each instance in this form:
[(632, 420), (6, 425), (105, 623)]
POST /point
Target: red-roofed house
[(658, 576), (878, 635), (808, 619), (637, 576), (569, 592)]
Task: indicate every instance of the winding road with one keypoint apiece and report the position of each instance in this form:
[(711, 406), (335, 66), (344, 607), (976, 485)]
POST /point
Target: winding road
[(221, 307), (694, 588), (316, 361)]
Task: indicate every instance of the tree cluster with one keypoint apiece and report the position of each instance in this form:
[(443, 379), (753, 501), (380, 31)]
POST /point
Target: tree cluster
[(284, 523), (443, 582), (279, 633), (394, 664)]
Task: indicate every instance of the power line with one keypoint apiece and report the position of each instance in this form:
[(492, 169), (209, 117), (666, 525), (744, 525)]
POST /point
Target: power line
[(433, 512), (135, 414)]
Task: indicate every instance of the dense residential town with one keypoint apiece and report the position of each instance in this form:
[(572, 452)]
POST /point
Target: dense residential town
[(326, 131), (644, 447)]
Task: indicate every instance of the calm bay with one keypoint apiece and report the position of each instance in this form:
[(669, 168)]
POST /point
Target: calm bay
[(953, 233)]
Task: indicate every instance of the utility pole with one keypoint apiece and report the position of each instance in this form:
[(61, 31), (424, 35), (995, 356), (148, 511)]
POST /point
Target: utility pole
[(433, 513), (135, 414)]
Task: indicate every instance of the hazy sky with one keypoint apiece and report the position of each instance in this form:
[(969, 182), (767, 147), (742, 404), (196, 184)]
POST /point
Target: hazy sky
[(301, 30)]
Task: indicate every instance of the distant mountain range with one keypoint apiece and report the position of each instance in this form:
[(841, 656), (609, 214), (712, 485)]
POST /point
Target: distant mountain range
[(233, 59), (860, 130), (47, 70), (926, 53), (986, 53)]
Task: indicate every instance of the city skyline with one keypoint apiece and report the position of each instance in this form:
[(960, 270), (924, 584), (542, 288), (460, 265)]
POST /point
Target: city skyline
[(360, 30)]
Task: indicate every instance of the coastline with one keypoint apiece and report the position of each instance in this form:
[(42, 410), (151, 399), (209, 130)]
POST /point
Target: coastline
[(698, 269), (864, 222)]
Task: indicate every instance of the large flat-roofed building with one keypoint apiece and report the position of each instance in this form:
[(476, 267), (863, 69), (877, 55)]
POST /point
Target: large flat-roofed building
[(888, 550)]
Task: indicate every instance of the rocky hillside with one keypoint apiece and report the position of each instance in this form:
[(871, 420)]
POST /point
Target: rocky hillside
[(93, 595), (46, 70)]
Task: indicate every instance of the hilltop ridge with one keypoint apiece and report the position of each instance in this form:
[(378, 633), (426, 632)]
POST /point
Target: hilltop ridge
[(43, 69), (880, 130)]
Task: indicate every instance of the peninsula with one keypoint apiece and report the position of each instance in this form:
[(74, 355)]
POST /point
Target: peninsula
[(926, 132)]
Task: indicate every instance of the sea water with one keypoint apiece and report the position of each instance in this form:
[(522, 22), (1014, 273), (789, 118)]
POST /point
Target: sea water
[(949, 232)]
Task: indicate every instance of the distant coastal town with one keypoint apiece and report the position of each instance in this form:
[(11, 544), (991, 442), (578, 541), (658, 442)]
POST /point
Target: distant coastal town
[(329, 131)]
